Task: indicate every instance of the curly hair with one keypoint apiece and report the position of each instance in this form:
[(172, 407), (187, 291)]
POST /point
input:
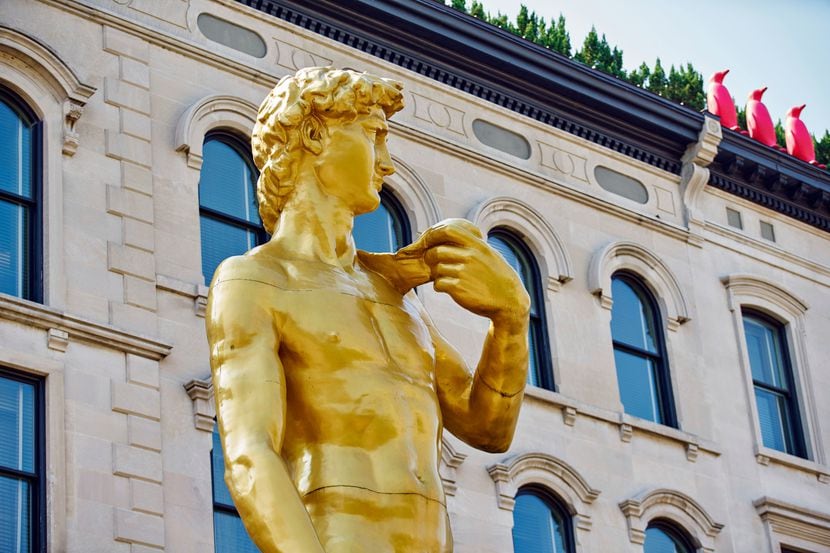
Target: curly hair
[(302, 103)]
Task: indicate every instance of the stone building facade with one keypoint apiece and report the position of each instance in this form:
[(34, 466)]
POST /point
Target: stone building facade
[(594, 177)]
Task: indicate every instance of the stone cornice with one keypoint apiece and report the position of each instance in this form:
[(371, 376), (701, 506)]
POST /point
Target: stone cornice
[(477, 58), (64, 328)]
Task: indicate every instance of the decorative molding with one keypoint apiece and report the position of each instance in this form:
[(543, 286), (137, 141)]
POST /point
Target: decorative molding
[(537, 233), (440, 115), (197, 292), (59, 79), (785, 520), (293, 57), (217, 111), (636, 258), (626, 432), (743, 288), (204, 410), (451, 459), (569, 415), (57, 339), (549, 472), (692, 452), (435, 41), (564, 162), (79, 329), (673, 505), (415, 195), (694, 174), (766, 456)]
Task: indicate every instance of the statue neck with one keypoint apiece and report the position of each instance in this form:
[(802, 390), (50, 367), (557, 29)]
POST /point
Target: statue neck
[(314, 226)]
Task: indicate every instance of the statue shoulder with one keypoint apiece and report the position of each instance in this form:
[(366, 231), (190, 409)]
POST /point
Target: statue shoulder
[(253, 267)]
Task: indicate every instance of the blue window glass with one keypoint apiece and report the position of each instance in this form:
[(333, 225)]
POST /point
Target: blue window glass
[(540, 524), (19, 190), (385, 229), (21, 501), (639, 355), (229, 222), (229, 535), (773, 381), (661, 537), (519, 257)]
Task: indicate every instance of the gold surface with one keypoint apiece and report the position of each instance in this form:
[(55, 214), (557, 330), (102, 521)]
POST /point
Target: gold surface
[(332, 384)]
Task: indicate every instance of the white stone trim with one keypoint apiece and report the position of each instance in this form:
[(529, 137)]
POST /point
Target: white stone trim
[(675, 506), (790, 525), (551, 473), (67, 328), (66, 89), (417, 199), (624, 255), (763, 295), (200, 392), (548, 249), (451, 459), (217, 111), (695, 173)]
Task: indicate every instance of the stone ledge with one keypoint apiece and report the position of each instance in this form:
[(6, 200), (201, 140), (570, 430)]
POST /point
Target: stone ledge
[(79, 329), (765, 456), (627, 425)]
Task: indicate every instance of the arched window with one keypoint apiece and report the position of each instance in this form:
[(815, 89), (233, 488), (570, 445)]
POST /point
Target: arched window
[(385, 229), (229, 535), (229, 216), (664, 537), (20, 236), (772, 378), (519, 257), (639, 352), (541, 524)]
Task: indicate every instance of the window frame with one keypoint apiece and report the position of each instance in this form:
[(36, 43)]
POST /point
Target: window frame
[(554, 503), (36, 480), (232, 140), (34, 204), (673, 531), (538, 323), (665, 392), (798, 439)]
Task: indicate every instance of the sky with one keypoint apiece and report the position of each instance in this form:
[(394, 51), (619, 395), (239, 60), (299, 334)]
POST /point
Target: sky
[(775, 43)]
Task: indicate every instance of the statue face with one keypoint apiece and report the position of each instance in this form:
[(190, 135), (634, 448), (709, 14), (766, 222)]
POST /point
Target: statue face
[(354, 160)]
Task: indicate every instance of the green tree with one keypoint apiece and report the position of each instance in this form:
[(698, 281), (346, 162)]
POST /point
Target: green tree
[(823, 148), (460, 5), (657, 81), (558, 37), (640, 75), (780, 136), (741, 115), (477, 10)]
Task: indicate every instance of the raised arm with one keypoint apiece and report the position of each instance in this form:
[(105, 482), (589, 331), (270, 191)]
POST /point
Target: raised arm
[(480, 408), (249, 387)]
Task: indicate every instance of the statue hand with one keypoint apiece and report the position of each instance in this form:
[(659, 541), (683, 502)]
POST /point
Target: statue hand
[(462, 264)]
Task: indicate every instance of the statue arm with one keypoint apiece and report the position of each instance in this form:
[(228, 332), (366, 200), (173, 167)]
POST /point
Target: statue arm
[(482, 408), (249, 388)]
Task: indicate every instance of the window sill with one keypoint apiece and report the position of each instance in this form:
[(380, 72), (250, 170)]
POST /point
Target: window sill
[(627, 425), (765, 456), (63, 328)]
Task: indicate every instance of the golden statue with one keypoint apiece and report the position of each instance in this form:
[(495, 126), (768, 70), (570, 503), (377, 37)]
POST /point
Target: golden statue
[(332, 385)]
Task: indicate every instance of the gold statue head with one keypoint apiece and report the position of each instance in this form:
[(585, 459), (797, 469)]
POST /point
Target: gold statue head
[(297, 113)]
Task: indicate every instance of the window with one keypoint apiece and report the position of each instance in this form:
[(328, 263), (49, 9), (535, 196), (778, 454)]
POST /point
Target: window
[(20, 258), (229, 535), (639, 352), (541, 524), (767, 231), (772, 379), (385, 229), (733, 217), (519, 257), (22, 493), (663, 537), (229, 216)]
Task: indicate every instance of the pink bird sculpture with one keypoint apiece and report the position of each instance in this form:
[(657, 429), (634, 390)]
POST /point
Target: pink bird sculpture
[(758, 121), (719, 102), (799, 141)]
